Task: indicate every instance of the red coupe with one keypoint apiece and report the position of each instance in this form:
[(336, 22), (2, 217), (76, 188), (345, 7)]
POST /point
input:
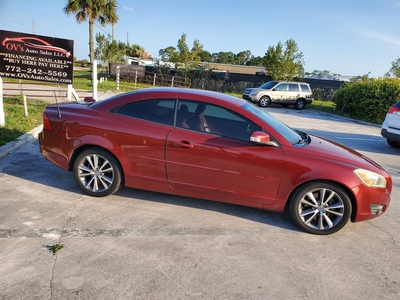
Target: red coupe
[(213, 146)]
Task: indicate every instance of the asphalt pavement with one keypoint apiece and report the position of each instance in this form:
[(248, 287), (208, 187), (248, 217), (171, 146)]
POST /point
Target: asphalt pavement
[(146, 245)]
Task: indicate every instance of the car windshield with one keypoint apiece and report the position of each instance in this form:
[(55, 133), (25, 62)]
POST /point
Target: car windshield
[(268, 85), (292, 136)]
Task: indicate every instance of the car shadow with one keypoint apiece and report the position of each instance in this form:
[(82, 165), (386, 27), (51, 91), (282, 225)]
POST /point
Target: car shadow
[(277, 219)]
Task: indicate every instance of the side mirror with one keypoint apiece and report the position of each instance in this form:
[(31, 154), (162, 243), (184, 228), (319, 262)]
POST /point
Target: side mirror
[(262, 138)]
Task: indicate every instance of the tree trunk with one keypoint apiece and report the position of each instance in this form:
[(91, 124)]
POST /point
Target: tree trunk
[(91, 48)]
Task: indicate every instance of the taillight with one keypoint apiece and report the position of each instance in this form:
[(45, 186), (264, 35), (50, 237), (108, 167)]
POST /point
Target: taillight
[(393, 110), (46, 122)]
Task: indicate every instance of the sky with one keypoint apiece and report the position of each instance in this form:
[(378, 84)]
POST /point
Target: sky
[(346, 37)]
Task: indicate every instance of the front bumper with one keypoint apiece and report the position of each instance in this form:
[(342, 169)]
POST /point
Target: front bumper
[(371, 202)]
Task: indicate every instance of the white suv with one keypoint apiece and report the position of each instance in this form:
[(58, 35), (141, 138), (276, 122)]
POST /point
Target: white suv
[(282, 92), (391, 126)]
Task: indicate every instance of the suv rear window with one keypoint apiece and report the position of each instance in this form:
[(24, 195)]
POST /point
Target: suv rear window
[(305, 88)]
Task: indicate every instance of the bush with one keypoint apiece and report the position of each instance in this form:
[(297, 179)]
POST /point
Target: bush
[(368, 99), (324, 94)]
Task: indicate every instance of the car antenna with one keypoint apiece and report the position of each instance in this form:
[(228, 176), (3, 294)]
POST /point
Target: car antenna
[(58, 108)]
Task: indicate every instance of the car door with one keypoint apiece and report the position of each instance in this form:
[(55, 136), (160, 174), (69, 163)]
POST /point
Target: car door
[(280, 92), (221, 162), (142, 129), (293, 93)]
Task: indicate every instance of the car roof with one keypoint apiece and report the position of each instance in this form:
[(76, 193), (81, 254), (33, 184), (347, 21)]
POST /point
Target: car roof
[(168, 92)]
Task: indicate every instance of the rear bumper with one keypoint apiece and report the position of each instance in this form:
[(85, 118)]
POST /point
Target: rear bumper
[(393, 136), (50, 155)]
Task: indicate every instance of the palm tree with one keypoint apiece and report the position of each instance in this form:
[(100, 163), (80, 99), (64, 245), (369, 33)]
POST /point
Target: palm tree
[(105, 11)]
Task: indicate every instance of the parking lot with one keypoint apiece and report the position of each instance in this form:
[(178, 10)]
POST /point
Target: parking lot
[(145, 245)]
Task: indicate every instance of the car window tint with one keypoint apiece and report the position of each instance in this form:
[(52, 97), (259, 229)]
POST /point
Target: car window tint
[(158, 110), (294, 87), (281, 87), (216, 120), (305, 88)]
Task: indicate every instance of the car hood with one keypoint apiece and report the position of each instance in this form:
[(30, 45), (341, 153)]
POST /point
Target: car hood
[(330, 150), (255, 89)]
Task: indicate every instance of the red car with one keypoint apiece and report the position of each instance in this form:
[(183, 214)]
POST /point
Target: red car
[(213, 146)]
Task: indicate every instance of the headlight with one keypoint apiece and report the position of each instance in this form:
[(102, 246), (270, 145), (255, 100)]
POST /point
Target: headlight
[(370, 178), (253, 93)]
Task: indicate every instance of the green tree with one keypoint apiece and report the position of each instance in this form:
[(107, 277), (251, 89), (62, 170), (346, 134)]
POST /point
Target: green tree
[(104, 11), (255, 61), (137, 51), (224, 58), (108, 50), (169, 54), (395, 69), (187, 59), (284, 64), (205, 56), (242, 57)]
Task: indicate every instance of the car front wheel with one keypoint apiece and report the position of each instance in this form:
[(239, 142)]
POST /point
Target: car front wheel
[(320, 207), (265, 101), (394, 144), (300, 104), (97, 172)]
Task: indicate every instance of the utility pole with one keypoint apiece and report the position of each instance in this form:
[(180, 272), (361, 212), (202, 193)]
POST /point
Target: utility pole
[(33, 26)]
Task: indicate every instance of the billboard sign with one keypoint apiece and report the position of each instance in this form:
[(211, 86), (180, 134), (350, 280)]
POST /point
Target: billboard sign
[(35, 57)]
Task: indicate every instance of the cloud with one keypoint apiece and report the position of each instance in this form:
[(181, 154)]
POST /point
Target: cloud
[(128, 8), (382, 36)]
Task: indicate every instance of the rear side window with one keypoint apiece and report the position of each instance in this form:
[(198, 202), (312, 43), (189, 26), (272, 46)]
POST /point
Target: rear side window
[(159, 110), (294, 87), (305, 88)]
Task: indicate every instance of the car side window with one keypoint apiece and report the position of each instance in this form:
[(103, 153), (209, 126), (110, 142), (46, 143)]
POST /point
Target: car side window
[(282, 87), (157, 110), (305, 88), (213, 119), (294, 87)]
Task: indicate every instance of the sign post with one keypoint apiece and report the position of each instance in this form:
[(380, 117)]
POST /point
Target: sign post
[(2, 121)]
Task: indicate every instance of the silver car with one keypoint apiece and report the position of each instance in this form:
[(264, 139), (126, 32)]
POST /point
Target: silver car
[(281, 92), (391, 126)]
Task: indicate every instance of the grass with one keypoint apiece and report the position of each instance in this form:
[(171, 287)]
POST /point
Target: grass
[(55, 248), (16, 123)]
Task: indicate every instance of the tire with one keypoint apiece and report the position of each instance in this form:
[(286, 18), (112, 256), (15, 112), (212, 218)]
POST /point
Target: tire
[(300, 104), (393, 144), (264, 101), (97, 172), (317, 216)]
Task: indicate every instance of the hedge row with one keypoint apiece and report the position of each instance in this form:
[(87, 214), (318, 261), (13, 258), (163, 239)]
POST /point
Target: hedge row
[(368, 99)]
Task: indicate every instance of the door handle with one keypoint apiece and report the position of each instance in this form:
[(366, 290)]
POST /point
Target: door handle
[(185, 144)]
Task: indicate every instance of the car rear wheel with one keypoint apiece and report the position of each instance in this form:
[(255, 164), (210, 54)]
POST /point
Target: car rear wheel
[(265, 101), (300, 104), (97, 172), (320, 207), (394, 144)]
